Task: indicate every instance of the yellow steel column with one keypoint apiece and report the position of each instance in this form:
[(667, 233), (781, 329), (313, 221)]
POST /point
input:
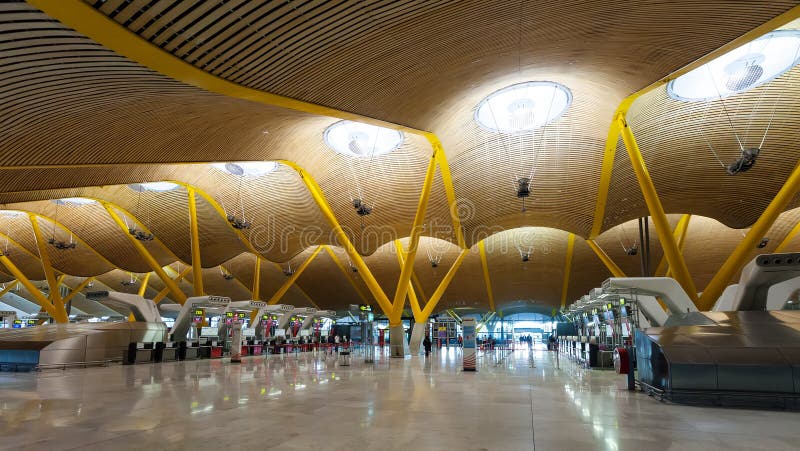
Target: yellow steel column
[(8, 287), (145, 281), (679, 233), (163, 293), (437, 295), (745, 247), (346, 274), (286, 285), (413, 242), (567, 268), (77, 289), (21, 278), (58, 304), (601, 254), (788, 238), (486, 279), (397, 311), (344, 241), (177, 295), (668, 244), (194, 228), (447, 181), (257, 279)]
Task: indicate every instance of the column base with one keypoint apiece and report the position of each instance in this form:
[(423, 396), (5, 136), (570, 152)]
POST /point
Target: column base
[(397, 342)]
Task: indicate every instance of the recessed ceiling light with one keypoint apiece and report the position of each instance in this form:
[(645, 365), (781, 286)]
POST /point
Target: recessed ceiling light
[(743, 68), (74, 201), (247, 168), (356, 139), (523, 107), (153, 186)]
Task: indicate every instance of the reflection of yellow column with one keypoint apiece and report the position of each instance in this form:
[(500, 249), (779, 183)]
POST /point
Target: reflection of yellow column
[(567, 268), (59, 312), (656, 210), (177, 295), (286, 285)]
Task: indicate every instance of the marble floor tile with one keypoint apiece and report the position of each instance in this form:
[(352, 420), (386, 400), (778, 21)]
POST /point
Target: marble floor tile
[(519, 401)]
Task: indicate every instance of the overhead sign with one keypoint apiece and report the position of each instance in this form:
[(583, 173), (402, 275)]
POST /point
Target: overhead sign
[(219, 300), (258, 304)]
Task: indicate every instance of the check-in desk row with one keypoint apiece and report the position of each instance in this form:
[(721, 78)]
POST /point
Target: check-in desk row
[(581, 349), (152, 352)]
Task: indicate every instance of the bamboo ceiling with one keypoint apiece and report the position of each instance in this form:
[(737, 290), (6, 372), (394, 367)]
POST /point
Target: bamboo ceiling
[(79, 120)]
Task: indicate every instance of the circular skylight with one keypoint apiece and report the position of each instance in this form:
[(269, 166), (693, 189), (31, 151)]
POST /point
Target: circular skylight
[(355, 139), (523, 107), (153, 186), (74, 201), (247, 168), (743, 68)]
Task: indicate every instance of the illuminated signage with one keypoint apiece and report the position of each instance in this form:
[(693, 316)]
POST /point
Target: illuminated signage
[(17, 324)]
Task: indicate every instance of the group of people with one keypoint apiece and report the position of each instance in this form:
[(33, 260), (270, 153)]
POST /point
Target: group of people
[(527, 339)]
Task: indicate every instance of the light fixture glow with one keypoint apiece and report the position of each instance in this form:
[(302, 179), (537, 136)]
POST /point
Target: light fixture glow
[(11, 213), (523, 107), (74, 201), (743, 68), (247, 168), (153, 186), (355, 139)]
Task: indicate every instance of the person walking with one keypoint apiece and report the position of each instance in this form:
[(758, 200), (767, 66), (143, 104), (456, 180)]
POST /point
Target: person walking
[(426, 343)]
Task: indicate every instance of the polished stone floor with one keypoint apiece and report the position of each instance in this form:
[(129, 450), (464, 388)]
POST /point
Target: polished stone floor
[(520, 401)]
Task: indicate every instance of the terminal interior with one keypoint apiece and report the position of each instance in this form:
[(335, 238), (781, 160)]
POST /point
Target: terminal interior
[(477, 224)]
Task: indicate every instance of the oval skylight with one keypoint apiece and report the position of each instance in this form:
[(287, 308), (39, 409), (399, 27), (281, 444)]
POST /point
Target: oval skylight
[(247, 168), (74, 201), (523, 107), (743, 68), (11, 213), (153, 186), (356, 139)]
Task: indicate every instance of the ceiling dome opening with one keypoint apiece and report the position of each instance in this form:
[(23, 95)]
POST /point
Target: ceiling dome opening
[(523, 107)]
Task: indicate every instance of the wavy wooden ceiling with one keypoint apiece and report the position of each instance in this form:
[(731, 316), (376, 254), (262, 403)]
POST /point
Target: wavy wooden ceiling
[(69, 101)]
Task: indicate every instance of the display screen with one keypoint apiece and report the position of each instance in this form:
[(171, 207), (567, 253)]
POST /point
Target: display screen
[(32, 322), (17, 324)]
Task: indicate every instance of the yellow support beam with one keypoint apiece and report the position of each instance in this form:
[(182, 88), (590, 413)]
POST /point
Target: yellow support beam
[(416, 310), (177, 295), (257, 279), (788, 238), (289, 282), (624, 106), (668, 244), (417, 286), (341, 237), (194, 230), (78, 289), (486, 279), (346, 274), (437, 295), (567, 268), (679, 233), (601, 254), (58, 303), (744, 249), (37, 295), (413, 243), (145, 282), (163, 293), (10, 286), (90, 22), (447, 180)]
